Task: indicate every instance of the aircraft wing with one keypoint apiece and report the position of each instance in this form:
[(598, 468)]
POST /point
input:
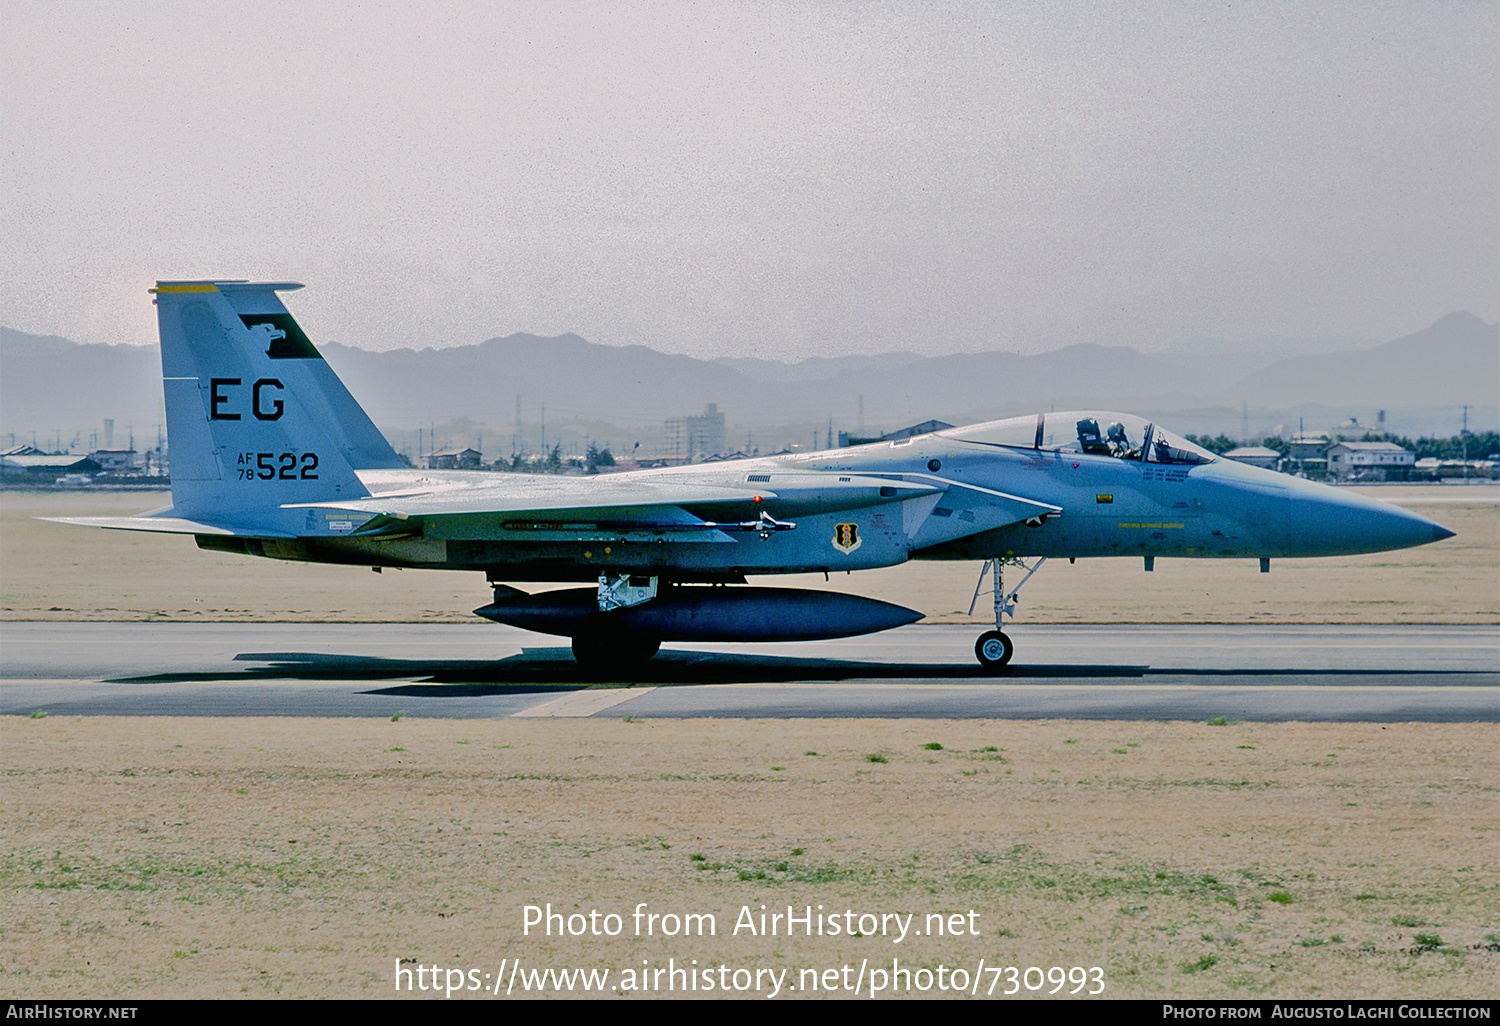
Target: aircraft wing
[(655, 508), (538, 495), (555, 508)]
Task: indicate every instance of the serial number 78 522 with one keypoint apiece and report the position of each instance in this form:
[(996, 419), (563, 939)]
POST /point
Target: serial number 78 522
[(283, 466)]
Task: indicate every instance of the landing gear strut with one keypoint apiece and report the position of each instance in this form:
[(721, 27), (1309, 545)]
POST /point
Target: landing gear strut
[(994, 648)]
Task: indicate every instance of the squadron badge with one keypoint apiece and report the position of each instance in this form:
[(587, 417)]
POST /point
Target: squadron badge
[(846, 538)]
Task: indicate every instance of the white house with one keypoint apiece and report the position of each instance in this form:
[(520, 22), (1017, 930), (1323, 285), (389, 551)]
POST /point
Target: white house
[(1371, 460)]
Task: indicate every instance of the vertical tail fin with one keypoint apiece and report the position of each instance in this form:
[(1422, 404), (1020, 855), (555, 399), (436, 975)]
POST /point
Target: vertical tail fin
[(255, 418)]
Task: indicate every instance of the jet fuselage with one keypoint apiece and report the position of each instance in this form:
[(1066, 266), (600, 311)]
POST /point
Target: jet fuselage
[(944, 489)]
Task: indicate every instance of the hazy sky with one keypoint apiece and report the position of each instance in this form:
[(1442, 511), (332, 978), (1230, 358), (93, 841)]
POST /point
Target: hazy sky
[(776, 180)]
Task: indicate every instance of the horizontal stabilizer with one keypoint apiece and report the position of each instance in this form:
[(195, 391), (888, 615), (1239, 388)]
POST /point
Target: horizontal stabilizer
[(164, 525)]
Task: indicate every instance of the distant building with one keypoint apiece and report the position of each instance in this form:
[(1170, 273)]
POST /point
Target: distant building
[(927, 427), (1307, 456), (1307, 447), (1255, 456), (455, 459), (117, 461), (690, 439), (45, 467), (653, 462), (1378, 461)]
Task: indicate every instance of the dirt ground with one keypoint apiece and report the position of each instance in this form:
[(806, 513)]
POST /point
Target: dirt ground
[(299, 858), (57, 572)]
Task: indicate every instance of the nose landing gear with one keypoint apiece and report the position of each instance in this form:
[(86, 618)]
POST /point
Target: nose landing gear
[(994, 648)]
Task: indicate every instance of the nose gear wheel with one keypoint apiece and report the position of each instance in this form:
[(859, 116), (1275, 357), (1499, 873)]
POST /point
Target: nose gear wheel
[(994, 648)]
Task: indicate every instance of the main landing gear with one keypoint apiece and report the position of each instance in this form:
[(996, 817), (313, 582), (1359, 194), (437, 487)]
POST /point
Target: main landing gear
[(994, 648), (603, 644), (602, 649)]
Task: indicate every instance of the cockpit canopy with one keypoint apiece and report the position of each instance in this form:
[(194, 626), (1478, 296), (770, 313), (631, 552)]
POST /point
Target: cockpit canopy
[(1092, 432)]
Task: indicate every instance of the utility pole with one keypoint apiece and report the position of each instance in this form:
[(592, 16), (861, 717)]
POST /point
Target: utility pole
[(1463, 437)]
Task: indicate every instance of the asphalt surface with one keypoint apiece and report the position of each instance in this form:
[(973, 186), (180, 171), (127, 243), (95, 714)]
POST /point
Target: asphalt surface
[(1328, 673)]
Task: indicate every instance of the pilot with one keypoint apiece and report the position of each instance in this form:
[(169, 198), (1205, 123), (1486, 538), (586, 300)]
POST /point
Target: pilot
[(1119, 444)]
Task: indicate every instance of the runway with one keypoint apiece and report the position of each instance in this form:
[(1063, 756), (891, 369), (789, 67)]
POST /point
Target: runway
[(1328, 673)]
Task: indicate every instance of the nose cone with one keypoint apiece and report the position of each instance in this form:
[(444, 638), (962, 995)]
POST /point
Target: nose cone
[(1333, 522)]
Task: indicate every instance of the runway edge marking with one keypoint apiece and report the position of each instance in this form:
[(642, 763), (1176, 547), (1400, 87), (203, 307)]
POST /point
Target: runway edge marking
[(578, 704)]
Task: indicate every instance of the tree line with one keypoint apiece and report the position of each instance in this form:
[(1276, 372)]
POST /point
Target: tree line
[(1480, 444)]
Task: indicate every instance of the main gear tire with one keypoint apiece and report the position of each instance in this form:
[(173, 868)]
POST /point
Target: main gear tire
[(607, 650)]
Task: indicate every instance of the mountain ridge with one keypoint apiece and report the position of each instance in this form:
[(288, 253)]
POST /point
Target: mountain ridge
[(48, 383)]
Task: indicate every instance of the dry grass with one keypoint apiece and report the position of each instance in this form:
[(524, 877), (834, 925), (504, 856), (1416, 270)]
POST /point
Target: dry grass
[(165, 858), (55, 572)]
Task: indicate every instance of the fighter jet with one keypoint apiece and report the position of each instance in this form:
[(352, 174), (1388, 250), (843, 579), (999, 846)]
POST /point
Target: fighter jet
[(271, 456)]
